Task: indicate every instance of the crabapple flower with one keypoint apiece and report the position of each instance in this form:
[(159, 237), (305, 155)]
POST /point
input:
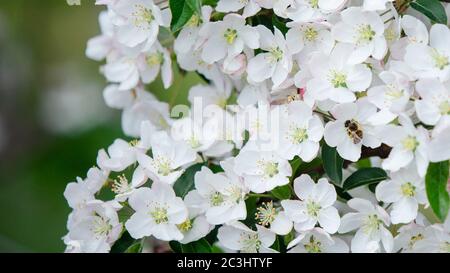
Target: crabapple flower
[(436, 240), (238, 236), (168, 156), (434, 102), (391, 98), (220, 196), (275, 63), (370, 221), (306, 38), (157, 213), (301, 132), (121, 155), (273, 218), (351, 129), (262, 170), (189, 36), (317, 241), (334, 78), (433, 60), (228, 38), (97, 229), (315, 205), (364, 30), (406, 190), (137, 22), (408, 144)]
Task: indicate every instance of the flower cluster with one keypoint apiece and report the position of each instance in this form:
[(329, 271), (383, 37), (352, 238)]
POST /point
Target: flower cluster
[(320, 127)]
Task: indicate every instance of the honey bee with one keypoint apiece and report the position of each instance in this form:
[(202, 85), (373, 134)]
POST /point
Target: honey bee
[(354, 131)]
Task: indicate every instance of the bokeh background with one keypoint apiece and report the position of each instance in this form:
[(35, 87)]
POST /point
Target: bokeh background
[(52, 116)]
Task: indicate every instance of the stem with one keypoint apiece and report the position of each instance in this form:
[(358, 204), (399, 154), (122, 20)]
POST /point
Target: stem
[(260, 195)]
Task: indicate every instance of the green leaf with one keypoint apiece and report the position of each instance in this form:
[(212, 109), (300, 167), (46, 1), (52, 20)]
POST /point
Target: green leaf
[(251, 205), (200, 246), (212, 3), (124, 243), (332, 163), (282, 192), (185, 183), (436, 186), (279, 24), (362, 177), (433, 9), (182, 11), (135, 248)]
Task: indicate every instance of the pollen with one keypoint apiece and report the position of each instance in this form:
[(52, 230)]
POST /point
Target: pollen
[(142, 16), (163, 165), (159, 215), (365, 34), (440, 61), (276, 54), (265, 214), (216, 199), (313, 208), (298, 135), (313, 246), (230, 35), (338, 79), (185, 226), (314, 3), (120, 185), (269, 168), (444, 108), (371, 224), (250, 242), (408, 189), (195, 21), (410, 143), (155, 59), (310, 34)]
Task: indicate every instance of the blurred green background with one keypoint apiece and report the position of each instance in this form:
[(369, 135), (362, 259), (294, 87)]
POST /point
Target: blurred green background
[(52, 116)]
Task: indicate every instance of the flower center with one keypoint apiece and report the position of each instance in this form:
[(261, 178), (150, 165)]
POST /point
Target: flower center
[(269, 168), (354, 131), (230, 35), (410, 143), (408, 189), (159, 215), (265, 214), (440, 61), (162, 164), (195, 21), (100, 226), (194, 142), (311, 34), (314, 3), (365, 34), (216, 199), (298, 135), (313, 246), (415, 239), (185, 226), (444, 108), (393, 93), (250, 242), (371, 224), (338, 79), (120, 185), (155, 59), (313, 208), (142, 16), (276, 54)]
